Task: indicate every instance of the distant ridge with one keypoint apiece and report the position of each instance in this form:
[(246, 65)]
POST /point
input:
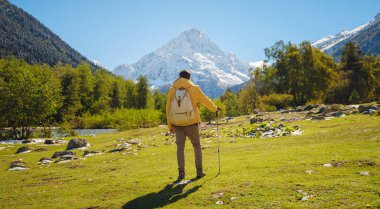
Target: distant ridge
[(367, 36), (23, 36)]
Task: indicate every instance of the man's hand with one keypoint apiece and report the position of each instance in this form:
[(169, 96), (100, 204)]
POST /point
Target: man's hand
[(172, 130)]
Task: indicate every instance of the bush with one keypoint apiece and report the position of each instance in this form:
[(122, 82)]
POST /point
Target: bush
[(336, 107), (42, 133), (280, 101), (207, 115), (122, 119), (66, 130), (270, 108)]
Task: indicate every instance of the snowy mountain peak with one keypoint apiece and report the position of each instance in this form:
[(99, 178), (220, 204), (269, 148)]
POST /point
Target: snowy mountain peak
[(212, 68), (377, 17), (328, 43)]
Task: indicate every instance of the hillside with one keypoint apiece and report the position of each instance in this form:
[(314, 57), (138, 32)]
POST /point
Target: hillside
[(23, 36), (333, 164), (212, 69), (367, 36)]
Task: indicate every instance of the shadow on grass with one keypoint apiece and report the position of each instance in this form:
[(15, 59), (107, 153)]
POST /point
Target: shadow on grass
[(169, 194)]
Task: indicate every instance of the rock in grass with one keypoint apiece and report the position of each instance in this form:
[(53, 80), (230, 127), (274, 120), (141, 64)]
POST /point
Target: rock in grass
[(366, 163), (363, 108), (337, 114), (134, 141), (49, 141), (91, 153), (217, 195), (219, 202), (27, 141), (255, 120), (328, 165), (62, 153), (310, 171), (40, 149), (24, 149), (322, 109), (17, 166), (318, 117), (45, 160), (77, 143), (117, 150), (364, 173)]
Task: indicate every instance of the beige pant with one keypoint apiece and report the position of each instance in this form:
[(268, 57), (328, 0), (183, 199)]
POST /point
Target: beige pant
[(192, 132)]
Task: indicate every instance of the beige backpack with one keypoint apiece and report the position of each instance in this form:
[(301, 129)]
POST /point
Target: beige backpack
[(181, 109)]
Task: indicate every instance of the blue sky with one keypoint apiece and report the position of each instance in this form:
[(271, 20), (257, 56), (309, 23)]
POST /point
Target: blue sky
[(122, 31)]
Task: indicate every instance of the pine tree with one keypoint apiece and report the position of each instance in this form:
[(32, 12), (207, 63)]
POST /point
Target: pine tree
[(359, 77), (142, 92)]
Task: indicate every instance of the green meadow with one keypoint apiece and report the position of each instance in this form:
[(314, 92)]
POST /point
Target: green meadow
[(255, 172)]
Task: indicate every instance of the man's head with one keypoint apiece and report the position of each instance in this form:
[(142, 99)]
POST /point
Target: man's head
[(184, 74)]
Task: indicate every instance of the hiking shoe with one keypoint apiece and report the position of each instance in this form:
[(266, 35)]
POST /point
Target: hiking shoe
[(181, 176), (201, 175)]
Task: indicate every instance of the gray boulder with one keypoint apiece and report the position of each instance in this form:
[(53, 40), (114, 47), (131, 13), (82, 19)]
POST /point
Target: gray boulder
[(337, 114), (299, 108), (363, 108), (91, 153), (285, 111), (309, 107), (45, 160), (117, 150), (49, 141), (77, 143), (255, 120), (17, 165), (134, 141), (27, 141), (322, 109), (23, 149), (62, 153), (318, 117)]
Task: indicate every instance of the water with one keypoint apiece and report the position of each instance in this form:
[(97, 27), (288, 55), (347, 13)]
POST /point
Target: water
[(85, 132)]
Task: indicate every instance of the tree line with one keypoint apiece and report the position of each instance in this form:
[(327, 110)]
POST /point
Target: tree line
[(300, 74), (35, 95)]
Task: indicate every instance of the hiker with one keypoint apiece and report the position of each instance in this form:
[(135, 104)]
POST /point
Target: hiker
[(183, 118)]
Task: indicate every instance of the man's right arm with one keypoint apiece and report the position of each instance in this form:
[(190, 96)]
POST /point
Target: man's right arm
[(205, 101)]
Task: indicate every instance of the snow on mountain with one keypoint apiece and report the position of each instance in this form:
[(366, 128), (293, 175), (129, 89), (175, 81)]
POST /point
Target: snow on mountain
[(212, 69), (258, 64), (97, 63), (331, 44)]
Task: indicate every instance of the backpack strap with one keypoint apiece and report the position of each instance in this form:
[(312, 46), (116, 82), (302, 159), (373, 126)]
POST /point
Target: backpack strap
[(179, 101)]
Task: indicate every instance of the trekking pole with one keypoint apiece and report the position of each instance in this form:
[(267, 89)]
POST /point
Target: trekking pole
[(217, 135)]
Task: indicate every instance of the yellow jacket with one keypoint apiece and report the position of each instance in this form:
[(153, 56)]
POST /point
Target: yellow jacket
[(196, 96)]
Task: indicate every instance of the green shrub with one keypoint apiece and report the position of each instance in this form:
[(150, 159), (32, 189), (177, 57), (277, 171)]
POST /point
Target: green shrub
[(42, 133), (270, 108), (336, 107), (278, 100), (122, 119), (66, 130)]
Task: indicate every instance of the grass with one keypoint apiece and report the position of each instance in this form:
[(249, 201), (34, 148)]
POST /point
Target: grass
[(261, 173)]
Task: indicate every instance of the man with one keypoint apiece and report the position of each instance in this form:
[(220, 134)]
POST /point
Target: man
[(184, 121)]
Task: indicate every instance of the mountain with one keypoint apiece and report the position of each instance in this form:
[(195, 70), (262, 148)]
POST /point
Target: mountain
[(366, 36), (212, 69), (23, 36)]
